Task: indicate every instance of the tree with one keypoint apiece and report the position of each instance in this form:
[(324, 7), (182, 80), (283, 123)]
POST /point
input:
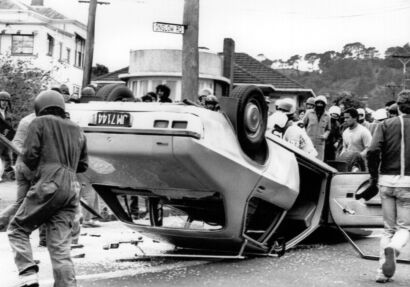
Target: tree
[(311, 58), (23, 82), (99, 70), (354, 50), (292, 61), (326, 59)]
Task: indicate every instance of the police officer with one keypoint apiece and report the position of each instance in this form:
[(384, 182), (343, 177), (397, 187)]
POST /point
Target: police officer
[(7, 130), (211, 103), (317, 123), (56, 148)]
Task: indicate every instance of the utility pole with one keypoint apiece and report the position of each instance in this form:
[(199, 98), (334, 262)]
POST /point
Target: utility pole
[(404, 59), (190, 54), (393, 89), (89, 43)]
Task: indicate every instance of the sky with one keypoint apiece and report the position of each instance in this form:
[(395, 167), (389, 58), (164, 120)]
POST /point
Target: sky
[(276, 28)]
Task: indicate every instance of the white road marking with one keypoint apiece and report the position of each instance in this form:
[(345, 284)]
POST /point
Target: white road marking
[(130, 272)]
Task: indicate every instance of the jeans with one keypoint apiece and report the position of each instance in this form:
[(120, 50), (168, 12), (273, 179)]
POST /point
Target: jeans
[(396, 217)]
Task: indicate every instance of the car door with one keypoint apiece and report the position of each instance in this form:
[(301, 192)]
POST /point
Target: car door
[(345, 210)]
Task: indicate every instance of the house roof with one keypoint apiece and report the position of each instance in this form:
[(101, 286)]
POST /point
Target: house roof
[(9, 4), (247, 70), (112, 76), (250, 71), (49, 13)]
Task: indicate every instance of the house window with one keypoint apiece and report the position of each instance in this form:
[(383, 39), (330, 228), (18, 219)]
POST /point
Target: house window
[(60, 56), (50, 41), (68, 57), (79, 51), (22, 44)]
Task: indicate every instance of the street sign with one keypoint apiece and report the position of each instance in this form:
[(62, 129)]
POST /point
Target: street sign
[(168, 28)]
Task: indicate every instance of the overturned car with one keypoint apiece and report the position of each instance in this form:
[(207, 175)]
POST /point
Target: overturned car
[(214, 181)]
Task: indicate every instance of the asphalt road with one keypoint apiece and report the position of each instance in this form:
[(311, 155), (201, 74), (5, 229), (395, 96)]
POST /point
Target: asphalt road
[(324, 260)]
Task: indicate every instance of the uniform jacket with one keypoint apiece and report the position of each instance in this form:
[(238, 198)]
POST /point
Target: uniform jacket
[(385, 147), (57, 149), (316, 128)]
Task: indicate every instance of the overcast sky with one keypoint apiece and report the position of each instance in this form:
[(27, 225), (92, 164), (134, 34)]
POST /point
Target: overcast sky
[(276, 28)]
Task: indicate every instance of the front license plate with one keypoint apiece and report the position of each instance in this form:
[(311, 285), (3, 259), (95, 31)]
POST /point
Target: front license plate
[(115, 119)]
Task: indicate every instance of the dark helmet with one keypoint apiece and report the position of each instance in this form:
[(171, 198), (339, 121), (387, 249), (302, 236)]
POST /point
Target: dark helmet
[(211, 99), (64, 89), (48, 99), (4, 96), (88, 92)]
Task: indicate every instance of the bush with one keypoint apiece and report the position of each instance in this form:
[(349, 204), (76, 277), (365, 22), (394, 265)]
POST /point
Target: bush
[(23, 81)]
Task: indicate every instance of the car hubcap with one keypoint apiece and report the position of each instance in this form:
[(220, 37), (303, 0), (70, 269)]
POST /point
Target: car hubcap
[(252, 118)]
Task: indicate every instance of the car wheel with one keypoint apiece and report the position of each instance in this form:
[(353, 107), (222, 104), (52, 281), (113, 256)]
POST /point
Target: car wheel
[(251, 117), (115, 92)]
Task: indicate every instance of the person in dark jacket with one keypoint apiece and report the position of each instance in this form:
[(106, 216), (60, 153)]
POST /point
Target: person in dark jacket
[(56, 149), (389, 153)]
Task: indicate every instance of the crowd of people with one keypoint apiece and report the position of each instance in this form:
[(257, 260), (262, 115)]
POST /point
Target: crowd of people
[(52, 158), (356, 140), (333, 134)]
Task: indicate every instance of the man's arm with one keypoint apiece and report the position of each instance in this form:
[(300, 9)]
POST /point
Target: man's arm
[(374, 151), (21, 133), (32, 146), (306, 119), (83, 162), (366, 140)]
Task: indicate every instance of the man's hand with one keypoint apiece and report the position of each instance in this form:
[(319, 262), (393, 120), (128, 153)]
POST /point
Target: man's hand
[(371, 190)]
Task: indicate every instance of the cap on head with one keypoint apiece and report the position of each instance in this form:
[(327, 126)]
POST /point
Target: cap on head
[(335, 110), (321, 98), (380, 114), (48, 99), (361, 112), (4, 96), (287, 106), (310, 101)]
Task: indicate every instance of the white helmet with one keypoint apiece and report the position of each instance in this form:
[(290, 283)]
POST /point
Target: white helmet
[(335, 110), (380, 114), (361, 111), (279, 119), (321, 98)]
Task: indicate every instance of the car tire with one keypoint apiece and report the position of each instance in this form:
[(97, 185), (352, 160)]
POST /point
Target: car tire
[(251, 117), (115, 92)]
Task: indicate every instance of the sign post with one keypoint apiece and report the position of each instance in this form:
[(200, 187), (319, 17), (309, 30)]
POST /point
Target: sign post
[(190, 54)]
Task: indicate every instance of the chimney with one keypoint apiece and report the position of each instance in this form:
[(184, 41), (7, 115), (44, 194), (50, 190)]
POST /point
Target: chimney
[(229, 60), (37, 2)]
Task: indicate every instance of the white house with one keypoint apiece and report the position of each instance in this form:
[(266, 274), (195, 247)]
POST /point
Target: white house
[(47, 38), (149, 68)]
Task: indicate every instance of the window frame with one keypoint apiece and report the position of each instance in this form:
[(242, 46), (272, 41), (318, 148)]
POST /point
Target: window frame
[(50, 45), (13, 47), (79, 52)]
